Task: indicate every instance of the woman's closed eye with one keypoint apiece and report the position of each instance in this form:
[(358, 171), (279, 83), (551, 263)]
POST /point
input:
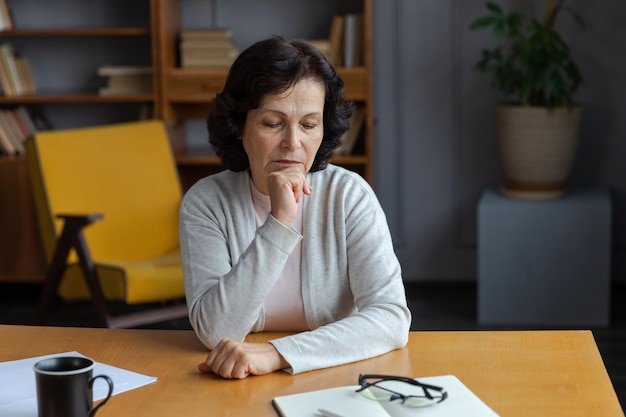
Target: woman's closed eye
[(278, 125), (272, 125)]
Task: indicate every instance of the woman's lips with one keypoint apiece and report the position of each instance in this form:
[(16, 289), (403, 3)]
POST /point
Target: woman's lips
[(287, 163)]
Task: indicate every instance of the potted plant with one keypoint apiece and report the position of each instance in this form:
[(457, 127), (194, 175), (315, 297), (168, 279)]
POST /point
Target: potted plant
[(538, 122)]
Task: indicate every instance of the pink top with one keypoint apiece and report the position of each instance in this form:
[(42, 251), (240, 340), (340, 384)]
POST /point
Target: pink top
[(284, 309)]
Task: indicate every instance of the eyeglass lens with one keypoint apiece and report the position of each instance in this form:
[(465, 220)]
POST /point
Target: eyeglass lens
[(411, 394)]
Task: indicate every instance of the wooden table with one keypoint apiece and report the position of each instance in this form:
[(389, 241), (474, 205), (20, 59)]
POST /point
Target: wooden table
[(516, 373)]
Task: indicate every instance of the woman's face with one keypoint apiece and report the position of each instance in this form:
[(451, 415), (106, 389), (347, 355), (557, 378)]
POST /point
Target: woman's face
[(286, 130)]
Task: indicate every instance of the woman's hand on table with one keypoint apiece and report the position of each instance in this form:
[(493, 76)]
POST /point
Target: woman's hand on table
[(231, 359)]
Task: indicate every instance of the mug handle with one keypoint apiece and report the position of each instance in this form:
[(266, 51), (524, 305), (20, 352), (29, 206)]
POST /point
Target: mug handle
[(108, 380)]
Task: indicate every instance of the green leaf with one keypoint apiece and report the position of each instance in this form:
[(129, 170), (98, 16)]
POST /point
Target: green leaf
[(483, 22), (498, 30), (494, 7), (514, 21)]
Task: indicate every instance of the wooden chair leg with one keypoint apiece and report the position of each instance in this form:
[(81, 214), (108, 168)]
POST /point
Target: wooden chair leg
[(90, 274), (54, 274), (72, 237)]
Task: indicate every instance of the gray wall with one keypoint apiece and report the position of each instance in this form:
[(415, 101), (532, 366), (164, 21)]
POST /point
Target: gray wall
[(436, 147)]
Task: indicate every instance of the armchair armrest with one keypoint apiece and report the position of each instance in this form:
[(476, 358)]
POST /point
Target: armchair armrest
[(79, 220)]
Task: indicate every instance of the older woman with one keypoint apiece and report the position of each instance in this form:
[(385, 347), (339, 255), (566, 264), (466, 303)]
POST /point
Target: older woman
[(282, 240)]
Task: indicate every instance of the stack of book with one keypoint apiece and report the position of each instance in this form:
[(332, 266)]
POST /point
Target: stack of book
[(126, 80), (346, 40), (16, 75), (207, 48), (322, 45), (351, 136), (6, 21), (16, 124)]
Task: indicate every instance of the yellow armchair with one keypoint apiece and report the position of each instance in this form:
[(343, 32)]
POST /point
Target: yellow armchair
[(107, 201)]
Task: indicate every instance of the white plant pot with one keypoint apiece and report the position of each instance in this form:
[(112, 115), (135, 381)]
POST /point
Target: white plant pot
[(537, 147)]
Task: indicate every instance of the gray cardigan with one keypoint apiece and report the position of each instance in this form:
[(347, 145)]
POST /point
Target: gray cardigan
[(352, 286)]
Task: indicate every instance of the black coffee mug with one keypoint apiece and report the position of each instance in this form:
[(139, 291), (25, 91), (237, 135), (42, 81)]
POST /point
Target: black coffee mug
[(64, 387)]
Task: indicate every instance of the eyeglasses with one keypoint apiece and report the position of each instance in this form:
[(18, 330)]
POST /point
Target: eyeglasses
[(382, 389)]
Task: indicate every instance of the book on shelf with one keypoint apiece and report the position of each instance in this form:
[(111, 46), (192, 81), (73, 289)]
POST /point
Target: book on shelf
[(335, 40), (5, 79), (127, 84), (12, 133), (108, 70), (25, 74), (346, 40), (207, 48), (204, 34), (345, 401), (205, 59), (125, 80), (322, 45), (353, 40), (213, 47), (7, 56), (26, 119), (351, 136), (16, 125), (136, 82), (6, 142), (16, 75), (19, 127), (12, 127), (6, 18)]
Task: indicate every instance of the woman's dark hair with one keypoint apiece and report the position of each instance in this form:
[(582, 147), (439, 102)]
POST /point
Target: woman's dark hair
[(272, 66)]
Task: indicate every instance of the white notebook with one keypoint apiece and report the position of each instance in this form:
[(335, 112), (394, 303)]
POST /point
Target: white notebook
[(345, 402)]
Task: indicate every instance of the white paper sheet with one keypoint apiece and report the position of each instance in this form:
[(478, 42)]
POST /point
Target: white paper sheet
[(18, 393)]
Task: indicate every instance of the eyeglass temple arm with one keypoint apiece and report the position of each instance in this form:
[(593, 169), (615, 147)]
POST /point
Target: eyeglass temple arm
[(426, 387)]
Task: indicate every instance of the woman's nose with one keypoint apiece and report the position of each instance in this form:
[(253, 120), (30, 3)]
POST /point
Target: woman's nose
[(291, 139)]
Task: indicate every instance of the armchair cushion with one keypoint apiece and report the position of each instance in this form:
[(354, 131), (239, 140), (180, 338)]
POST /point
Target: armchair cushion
[(134, 282)]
